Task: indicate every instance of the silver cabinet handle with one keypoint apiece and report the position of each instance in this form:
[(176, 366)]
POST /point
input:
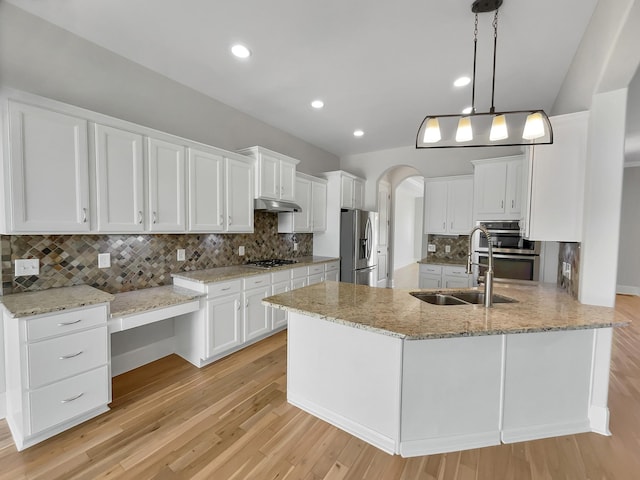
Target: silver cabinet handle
[(154, 217), (225, 289), (246, 303), (71, 399), (139, 216), (229, 220), (258, 281), (513, 203), (71, 355), (84, 215), (501, 203), (64, 324)]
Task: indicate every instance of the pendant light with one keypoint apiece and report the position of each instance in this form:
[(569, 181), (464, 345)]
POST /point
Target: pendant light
[(485, 129)]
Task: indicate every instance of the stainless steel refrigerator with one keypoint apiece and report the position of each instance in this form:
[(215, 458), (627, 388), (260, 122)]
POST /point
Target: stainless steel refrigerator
[(358, 247)]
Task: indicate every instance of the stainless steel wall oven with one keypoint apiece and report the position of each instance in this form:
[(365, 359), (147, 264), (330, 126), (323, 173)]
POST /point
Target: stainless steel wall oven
[(514, 257)]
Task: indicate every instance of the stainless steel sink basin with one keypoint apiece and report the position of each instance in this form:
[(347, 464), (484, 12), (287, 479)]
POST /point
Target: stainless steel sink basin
[(459, 298)]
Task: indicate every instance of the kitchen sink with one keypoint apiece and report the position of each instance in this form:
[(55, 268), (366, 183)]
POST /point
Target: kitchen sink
[(459, 298)]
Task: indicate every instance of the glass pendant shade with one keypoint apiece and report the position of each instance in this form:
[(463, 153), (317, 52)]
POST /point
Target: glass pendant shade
[(498, 128), (432, 132), (534, 127), (464, 132)]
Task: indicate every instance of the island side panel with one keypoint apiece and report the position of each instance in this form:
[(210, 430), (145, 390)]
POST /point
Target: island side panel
[(598, 406), (451, 393), (346, 376), (547, 385)]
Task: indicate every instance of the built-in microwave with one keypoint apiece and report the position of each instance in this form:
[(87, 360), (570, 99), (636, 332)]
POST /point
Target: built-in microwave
[(514, 257)]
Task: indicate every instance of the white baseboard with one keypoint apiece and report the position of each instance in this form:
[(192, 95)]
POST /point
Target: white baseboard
[(535, 432), (599, 420), (141, 356), (433, 446), (3, 405), (386, 444), (628, 290)]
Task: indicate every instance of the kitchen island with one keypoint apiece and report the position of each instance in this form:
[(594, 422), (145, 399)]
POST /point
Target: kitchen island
[(417, 379)]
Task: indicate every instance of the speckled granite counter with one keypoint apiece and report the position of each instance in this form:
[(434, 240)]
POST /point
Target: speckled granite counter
[(53, 300), (138, 301), (443, 261), (396, 313), (237, 271)]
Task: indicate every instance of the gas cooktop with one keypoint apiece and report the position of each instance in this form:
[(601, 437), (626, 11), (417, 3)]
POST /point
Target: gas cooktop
[(271, 263)]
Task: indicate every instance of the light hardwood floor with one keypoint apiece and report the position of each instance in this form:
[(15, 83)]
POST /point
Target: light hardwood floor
[(230, 420)]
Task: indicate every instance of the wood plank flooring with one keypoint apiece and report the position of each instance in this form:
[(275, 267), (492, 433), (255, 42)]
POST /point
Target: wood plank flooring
[(230, 420)]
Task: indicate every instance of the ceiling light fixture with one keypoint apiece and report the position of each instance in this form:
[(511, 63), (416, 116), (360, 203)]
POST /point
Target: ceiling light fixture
[(240, 51), (318, 104), (358, 133), (462, 82), (485, 129)]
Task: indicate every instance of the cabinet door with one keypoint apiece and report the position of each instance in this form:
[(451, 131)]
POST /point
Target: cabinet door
[(302, 220), (298, 283), (358, 194), (224, 325), (257, 319), (279, 317), (288, 181), (165, 170), (268, 177), (334, 276), (460, 206), (429, 281), (49, 163), (435, 207), (119, 181), (206, 192), (318, 206), (239, 198), (490, 181), (346, 192), (456, 282), (514, 188)]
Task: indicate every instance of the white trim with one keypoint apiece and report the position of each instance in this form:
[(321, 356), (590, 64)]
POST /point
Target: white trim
[(628, 290), (599, 420), (455, 443), (525, 434), (141, 356), (3, 405), (384, 443), (632, 164)]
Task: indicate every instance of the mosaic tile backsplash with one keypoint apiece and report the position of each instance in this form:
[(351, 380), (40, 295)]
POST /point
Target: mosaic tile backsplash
[(459, 246), (570, 252), (139, 261)]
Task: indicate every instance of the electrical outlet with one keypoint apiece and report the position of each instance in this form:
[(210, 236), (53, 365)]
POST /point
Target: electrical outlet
[(241, 250), (26, 267), (431, 247), (447, 249), (295, 246), (104, 260), (180, 255)]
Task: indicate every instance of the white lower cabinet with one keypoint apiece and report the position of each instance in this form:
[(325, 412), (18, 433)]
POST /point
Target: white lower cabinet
[(224, 324), (61, 372), (447, 276), (257, 318)]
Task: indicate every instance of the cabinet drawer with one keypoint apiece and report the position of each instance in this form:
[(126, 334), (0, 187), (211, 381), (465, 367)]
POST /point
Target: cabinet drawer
[(432, 269), (68, 398), (257, 281), (66, 322), (457, 271), (317, 278), (315, 269), (223, 288), (52, 360), (281, 276), (299, 272), (331, 266)]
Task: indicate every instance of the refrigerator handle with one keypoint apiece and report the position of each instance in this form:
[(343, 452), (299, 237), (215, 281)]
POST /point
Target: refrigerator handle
[(368, 234)]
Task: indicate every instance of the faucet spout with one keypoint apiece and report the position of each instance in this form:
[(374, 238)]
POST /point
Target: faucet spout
[(488, 277)]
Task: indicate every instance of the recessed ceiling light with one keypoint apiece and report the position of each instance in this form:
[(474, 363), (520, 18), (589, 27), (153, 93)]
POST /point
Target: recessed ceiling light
[(462, 81), (317, 104), (358, 133), (240, 51), (466, 110)]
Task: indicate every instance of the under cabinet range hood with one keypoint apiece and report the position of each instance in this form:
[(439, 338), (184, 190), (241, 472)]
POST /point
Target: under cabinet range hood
[(275, 205)]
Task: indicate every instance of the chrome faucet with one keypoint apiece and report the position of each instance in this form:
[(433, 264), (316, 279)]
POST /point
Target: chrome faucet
[(488, 277)]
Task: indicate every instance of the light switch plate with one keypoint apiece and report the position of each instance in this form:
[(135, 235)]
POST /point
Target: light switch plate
[(295, 246), (447, 249), (26, 267), (180, 255), (241, 250), (104, 260), (431, 247)]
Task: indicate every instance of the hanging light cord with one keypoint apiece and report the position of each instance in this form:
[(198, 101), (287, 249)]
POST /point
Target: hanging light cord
[(495, 45), (475, 49)]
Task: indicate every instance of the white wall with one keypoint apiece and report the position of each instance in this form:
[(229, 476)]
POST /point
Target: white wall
[(629, 255), (405, 226), (44, 59), (417, 234)]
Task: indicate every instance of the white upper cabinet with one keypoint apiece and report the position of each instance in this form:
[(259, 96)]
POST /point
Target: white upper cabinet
[(46, 184), (238, 195), (498, 188), (554, 182), (119, 180), (311, 196), (448, 205), (206, 192), (318, 205), (166, 187), (358, 193), (275, 174), (302, 220), (352, 189)]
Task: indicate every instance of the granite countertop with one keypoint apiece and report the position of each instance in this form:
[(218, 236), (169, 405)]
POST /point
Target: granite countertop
[(53, 300), (444, 261), (396, 313), (139, 301), (211, 275)]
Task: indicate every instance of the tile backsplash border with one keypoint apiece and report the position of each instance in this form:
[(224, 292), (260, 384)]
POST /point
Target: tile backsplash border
[(139, 261)]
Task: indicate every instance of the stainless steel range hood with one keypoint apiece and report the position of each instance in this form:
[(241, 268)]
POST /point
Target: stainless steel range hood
[(276, 205)]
